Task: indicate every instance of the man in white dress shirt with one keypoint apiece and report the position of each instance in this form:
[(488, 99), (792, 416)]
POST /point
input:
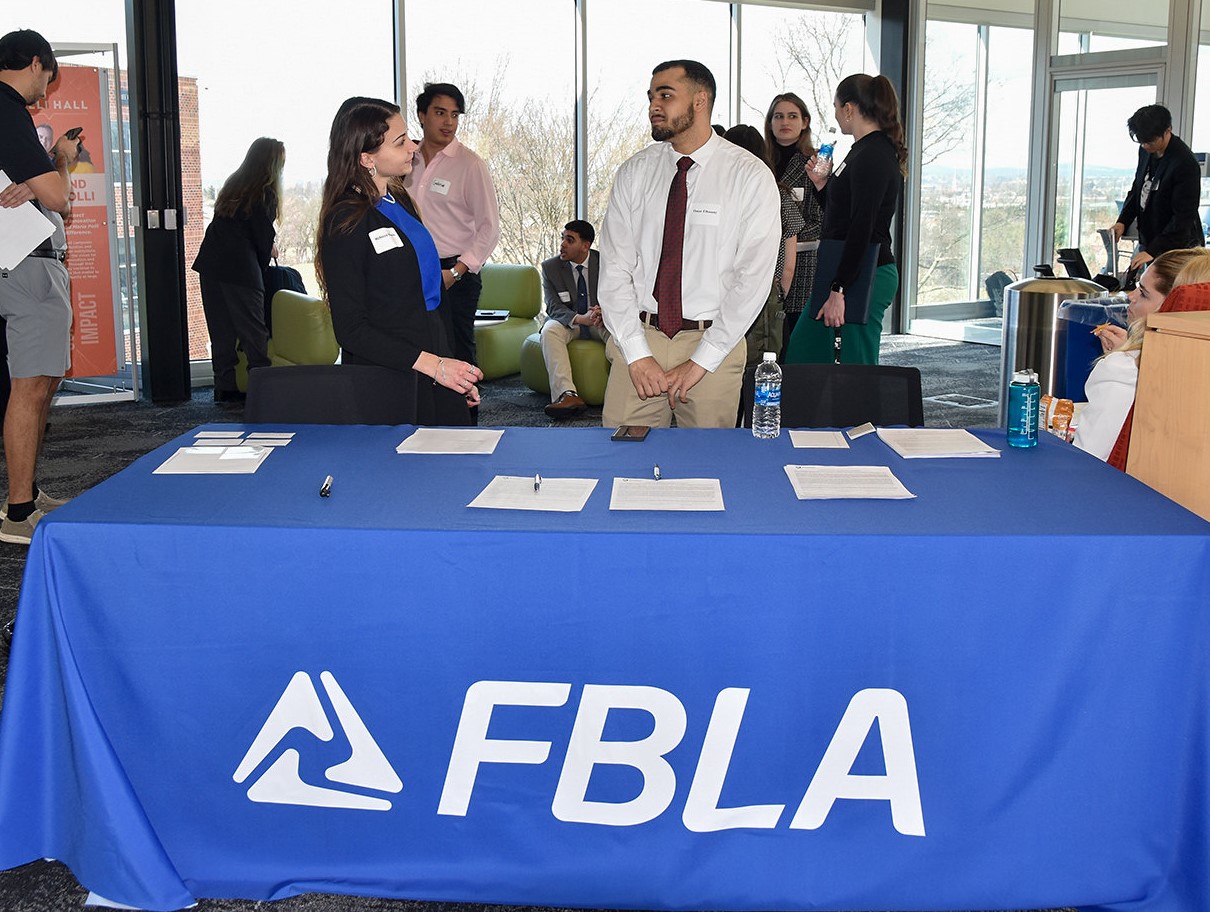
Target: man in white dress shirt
[(688, 248)]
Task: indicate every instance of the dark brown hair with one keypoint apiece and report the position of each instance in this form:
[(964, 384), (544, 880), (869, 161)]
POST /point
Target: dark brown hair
[(256, 182), (804, 141), (349, 190), (876, 99)]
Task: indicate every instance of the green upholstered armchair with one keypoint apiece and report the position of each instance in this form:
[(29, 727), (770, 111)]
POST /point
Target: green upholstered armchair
[(302, 334), (589, 367), (517, 289)]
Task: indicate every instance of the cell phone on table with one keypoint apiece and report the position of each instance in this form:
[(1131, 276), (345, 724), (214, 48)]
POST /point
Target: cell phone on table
[(74, 132), (634, 432)]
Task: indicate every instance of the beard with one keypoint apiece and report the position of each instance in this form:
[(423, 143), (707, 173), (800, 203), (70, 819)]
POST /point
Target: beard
[(673, 127)]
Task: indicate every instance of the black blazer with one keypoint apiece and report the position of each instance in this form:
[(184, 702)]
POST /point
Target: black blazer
[(237, 250), (1172, 219), (378, 312)]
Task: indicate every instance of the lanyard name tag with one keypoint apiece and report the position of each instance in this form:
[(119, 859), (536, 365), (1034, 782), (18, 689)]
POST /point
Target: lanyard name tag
[(385, 239), (440, 185)]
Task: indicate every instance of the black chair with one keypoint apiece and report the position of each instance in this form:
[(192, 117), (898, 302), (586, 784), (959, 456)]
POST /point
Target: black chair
[(995, 284), (843, 396), (330, 394)]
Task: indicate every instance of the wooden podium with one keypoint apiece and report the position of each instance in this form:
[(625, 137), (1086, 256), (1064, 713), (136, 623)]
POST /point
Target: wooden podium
[(1170, 440)]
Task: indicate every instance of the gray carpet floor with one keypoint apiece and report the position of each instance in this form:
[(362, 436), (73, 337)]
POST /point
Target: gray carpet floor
[(87, 444)]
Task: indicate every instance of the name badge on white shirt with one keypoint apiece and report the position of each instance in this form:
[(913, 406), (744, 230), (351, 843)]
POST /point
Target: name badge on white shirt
[(703, 214), (565, 297), (440, 185), (385, 239)]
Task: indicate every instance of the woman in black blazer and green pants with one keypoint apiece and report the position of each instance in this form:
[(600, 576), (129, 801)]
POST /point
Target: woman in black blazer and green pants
[(378, 265)]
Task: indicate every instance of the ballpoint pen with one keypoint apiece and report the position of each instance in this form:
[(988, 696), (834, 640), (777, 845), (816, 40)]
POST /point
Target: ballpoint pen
[(537, 483), (656, 474), (326, 488)]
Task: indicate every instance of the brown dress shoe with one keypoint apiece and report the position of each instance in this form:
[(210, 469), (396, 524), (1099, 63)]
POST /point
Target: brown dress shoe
[(566, 406)]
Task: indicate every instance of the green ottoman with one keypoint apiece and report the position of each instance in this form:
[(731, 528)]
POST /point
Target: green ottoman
[(589, 367)]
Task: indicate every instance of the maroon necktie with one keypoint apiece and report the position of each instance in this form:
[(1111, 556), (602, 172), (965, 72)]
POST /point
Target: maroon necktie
[(668, 278)]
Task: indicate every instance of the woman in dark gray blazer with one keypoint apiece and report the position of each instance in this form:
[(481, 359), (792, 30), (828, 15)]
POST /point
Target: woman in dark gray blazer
[(232, 260), (378, 265)]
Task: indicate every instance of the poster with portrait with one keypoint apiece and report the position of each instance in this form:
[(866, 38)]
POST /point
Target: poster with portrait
[(77, 99)]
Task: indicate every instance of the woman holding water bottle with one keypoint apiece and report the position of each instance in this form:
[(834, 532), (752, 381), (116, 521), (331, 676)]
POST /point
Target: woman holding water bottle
[(859, 198), (788, 147)]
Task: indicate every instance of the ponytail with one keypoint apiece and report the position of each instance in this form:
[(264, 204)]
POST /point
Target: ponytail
[(876, 99)]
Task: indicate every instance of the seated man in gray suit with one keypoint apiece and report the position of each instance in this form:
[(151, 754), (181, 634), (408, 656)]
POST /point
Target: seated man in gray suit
[(569, 283)]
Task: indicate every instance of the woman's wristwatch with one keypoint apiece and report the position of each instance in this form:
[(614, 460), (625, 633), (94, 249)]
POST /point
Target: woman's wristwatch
[(455, 273), (837, 288)]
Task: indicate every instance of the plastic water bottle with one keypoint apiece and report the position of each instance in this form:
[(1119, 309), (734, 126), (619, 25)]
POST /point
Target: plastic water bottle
[(823, 158), (1023, 397), (766, 404)]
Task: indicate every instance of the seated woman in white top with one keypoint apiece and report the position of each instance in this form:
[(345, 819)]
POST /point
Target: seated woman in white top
[(1110, 386)]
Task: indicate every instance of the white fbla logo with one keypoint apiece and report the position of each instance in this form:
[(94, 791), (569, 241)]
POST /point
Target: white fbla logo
[(300, 707), (833, 779)]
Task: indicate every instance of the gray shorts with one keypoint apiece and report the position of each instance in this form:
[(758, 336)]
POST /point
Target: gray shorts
[(35, 300)]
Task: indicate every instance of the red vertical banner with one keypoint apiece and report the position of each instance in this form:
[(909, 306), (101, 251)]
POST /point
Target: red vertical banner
[(76, 100)]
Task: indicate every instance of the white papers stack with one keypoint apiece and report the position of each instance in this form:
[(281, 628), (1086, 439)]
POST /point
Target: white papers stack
[(451, 441), (677, 494), (214, 460), (818, 439), (22, 228), (816, 482), (516, 492), (268, 438), (935, 443)]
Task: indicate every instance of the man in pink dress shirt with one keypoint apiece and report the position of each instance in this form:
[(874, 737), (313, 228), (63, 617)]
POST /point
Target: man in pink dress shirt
[(457, 201)]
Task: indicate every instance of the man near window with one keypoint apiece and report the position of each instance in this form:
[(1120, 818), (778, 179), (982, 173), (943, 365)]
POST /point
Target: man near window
[(457, 202), (1166, 191), (34, 296), (688, 249), (569, 284)]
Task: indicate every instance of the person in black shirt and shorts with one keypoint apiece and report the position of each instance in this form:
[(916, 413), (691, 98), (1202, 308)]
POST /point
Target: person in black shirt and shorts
[(34, 295)]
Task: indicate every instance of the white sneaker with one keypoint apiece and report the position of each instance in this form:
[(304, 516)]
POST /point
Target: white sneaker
[(20, 533)]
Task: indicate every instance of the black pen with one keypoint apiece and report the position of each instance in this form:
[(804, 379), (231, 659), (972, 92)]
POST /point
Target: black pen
[(537, 483), (656, 473), (326, 488)]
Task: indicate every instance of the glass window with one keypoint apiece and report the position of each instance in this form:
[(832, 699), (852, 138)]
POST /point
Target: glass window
[(1006, 153), (620, 59), (518, 75), (947, 149), (1111, 25), (806, 52), (1200, 141), (279, 74)]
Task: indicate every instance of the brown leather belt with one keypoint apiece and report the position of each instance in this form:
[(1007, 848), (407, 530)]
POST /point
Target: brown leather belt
[(653, 320)]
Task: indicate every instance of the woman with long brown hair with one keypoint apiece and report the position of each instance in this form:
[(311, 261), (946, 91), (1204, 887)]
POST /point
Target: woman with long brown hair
[(231, 263), (788, 149), (859, 200), (378, 266)]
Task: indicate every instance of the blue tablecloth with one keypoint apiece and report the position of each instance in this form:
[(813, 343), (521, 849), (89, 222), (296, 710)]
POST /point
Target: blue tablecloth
[(553, 709)]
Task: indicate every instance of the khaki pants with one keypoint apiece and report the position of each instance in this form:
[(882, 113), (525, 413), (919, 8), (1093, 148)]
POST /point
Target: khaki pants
[(713, 403), (554, 339)]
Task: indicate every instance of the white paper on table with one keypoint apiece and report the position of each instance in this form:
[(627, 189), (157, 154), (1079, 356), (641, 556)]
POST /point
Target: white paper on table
[(818, 440), (554, 495), (816, 482), (258, 440), (283, 434), (861, 430), (214, 461), (22, 228), (218, 434), (217, 441), (451, 441), (935, 443), (680, 494)]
